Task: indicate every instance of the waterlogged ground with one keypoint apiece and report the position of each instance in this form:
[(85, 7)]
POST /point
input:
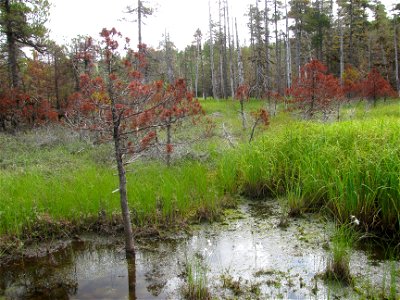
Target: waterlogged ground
[(246, 256)]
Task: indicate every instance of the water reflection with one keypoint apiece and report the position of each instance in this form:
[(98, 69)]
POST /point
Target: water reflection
[(250, 249)]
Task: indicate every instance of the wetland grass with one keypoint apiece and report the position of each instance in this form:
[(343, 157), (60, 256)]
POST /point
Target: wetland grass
[(348, 168), (196, 285), (55, 183), (338, 265)]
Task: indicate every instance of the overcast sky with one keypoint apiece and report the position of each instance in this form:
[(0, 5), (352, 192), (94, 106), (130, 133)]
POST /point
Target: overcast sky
[(180, 18)]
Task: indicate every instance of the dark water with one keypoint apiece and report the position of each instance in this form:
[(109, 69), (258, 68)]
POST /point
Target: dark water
[(247, 256)]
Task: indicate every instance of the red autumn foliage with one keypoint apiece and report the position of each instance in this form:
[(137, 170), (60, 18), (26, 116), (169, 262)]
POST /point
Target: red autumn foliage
[(351, 82), (260, 116), (374, 86), (31, 106), (242, 92), (315, 90), (140, 107)]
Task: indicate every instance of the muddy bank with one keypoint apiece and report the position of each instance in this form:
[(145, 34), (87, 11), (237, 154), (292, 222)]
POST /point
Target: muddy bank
[(247, 255)]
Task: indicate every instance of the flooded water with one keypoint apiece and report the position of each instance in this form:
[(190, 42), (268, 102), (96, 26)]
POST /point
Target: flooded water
[(246, 256)]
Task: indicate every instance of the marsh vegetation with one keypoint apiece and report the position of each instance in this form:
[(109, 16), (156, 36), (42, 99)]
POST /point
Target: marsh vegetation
[(318, 191)]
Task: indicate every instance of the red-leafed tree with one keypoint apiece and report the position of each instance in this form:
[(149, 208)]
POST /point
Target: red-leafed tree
[(351, 82), (260, 116), (242, 94), (315, 90), (119, 105), (374, 86)]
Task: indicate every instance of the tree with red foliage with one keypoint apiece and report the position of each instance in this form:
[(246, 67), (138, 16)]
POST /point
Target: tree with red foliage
[(375, 86), (260, 117), (351, 82), (124, 109), (242, 94), (315, 90)]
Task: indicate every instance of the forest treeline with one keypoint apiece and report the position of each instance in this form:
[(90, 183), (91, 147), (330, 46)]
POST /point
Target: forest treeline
[(351, 47)]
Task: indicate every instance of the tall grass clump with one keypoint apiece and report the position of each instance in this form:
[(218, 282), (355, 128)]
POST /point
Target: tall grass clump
[(338, 265), (157, 194), (196, 287), (351, 168)]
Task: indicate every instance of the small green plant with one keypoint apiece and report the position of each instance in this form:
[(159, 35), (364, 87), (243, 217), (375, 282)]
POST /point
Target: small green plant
[(230, 283), (196, 287), (338, 265)]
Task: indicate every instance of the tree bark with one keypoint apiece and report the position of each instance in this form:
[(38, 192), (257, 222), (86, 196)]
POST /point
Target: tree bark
[(288, 53), (341, 52), (221, 55), (214, 90), (267, 80), (126, 218), (231, 73), (131, 265), (11, 47), (139, 11), (396, 59), (239, 58), (277, 54)]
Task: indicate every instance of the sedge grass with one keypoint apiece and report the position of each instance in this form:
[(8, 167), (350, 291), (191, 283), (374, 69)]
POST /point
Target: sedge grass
[(157, 194), (352, 168)]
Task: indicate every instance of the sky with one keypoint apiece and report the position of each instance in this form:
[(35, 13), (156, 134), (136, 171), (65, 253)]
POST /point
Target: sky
[(179, 18)]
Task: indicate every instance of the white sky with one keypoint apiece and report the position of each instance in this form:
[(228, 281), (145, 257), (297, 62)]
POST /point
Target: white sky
[(180, 18)]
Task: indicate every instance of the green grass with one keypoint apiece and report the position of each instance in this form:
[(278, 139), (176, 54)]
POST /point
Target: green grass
[(350, 167), (157, 194)]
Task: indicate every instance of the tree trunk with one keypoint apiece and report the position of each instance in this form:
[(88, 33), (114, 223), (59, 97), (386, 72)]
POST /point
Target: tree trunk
[(231, 73), (221, 55), (139, 11), (131, 265), (239, 58), (225, 59), (396, 59), (202, 74), (277, 54), (196, 80), (214, 90), (288, 53), (126, 218), (11, 48), (267, 80), (341, 52), (351, 25), (168, 157)]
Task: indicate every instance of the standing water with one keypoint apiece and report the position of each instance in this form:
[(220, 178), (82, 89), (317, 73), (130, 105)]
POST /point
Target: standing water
[(246, 256)]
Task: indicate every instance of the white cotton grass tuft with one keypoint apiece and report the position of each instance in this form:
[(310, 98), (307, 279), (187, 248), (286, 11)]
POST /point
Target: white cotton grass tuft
[(354, 220)]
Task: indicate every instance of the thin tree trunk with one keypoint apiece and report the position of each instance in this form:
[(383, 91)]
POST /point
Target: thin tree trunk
[(277, 55), (169, 134), (202, 74), (231, 73), (239, 58), (225, 58), (126, 218), (396, 59), (139, 11), (351, 33), (11, 48), (196, 80), (267, 80), (131, 265), (221, 54), (214, 90), (288, 53), (56, 83), (341, 52)]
